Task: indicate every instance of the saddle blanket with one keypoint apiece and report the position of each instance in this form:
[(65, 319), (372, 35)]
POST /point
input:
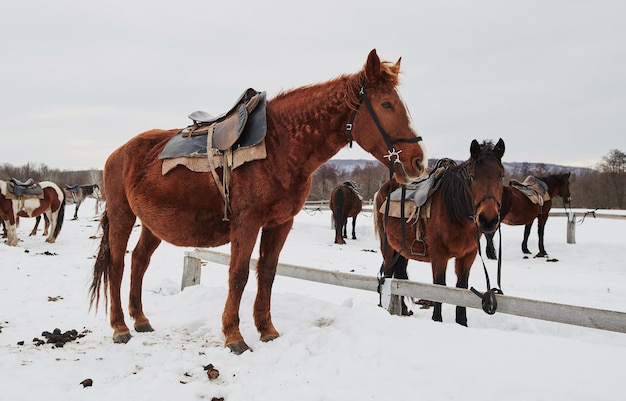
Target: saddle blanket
[(535, 189)]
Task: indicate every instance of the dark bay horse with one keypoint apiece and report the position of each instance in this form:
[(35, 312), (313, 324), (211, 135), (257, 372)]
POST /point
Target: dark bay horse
[(306, 126), (345, 202), (518, 209), (466, 204), (52, 205), (78, 193)]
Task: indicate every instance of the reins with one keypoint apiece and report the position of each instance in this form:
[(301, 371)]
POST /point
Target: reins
[(488, 298)]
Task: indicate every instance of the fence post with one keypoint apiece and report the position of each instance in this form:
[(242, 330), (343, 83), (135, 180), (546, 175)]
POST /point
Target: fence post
[(571, 228), (191, 272)]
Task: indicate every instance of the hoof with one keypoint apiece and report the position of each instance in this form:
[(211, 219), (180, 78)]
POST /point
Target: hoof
[(238, 348), (121, 338), (144, 327), (269, 338)]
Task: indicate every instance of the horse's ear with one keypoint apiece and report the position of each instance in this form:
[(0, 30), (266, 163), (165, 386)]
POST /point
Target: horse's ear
[(372, 66), (500, 148), (474, 149), (396, 67)]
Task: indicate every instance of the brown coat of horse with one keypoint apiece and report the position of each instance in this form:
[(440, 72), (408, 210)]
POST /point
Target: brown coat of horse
[(305, 128), (345, 202), (466, 204), (518, 209)]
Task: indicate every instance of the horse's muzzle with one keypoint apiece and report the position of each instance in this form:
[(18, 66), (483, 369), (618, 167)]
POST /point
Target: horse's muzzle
[(401, 174)]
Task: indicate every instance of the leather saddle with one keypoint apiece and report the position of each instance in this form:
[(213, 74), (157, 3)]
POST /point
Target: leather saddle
[(420, 190), (21, 188), (72, 188), (535, 189), (244, 125)]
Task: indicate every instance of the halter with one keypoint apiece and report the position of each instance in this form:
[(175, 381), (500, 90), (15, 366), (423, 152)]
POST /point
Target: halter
[(393, 155)]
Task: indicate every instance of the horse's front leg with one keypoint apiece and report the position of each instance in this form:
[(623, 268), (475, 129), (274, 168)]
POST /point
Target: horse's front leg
[(272, 241), (462, 268), (12, 239), (146, 245), (439, 278), (242, 239)]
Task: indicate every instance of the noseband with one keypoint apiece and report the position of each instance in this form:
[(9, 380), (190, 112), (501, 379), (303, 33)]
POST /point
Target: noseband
[(393, 155)]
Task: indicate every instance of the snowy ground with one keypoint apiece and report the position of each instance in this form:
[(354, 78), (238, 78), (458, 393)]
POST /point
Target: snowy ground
[(336, 344)]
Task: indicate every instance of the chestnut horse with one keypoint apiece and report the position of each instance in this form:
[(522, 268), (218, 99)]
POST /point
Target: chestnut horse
[(518, 209), (305, 127), (52, 205), (466, 204), (345, 202)]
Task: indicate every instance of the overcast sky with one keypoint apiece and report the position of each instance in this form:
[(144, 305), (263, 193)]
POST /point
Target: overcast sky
[(80, 78)]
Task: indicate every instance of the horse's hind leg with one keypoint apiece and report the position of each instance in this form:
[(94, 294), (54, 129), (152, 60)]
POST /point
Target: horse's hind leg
[(78, 202), (120, 226), (144, 249), (272, 241), (34, 230), (526, 235), (354, 227)]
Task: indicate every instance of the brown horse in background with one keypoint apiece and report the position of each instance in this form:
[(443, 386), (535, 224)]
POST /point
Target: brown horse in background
[(466, 204), (52, 206), (345, 202), (305, 128), (518, 209)]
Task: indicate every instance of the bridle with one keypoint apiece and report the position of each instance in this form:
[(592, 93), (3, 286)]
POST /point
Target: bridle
[(393, 155)]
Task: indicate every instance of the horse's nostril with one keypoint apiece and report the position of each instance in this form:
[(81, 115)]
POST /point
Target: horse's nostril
[(488, 225)]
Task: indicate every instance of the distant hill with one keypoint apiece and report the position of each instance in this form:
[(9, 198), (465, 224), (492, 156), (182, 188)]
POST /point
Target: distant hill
[(348, 165)]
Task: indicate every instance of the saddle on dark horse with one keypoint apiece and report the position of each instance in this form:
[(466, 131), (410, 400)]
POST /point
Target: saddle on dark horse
[(535, 189)]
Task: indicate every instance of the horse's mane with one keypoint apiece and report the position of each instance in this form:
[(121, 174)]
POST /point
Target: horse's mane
[(344, 88), (455, 185), (560, 178), (457, 199)]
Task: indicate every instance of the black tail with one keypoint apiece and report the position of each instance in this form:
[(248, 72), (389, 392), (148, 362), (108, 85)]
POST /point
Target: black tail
[(101, 266), (60, 216), (338, 215)]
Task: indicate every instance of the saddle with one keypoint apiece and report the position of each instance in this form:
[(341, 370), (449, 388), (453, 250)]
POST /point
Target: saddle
[(27, 188), (535, 189), (225, 141), (72, 188), (420, 190)]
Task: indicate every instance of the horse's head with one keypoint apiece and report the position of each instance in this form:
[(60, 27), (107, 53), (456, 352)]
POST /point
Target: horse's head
[(563, 191), (383, 125), (486, 173), (96, 191)]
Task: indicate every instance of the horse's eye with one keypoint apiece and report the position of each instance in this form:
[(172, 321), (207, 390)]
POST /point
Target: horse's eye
[(386, 105)]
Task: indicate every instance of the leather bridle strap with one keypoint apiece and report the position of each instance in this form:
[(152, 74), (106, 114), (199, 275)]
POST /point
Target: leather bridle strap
[(388, 140)]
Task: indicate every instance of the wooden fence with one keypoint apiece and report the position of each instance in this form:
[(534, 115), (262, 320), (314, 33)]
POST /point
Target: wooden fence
[(394, 288)]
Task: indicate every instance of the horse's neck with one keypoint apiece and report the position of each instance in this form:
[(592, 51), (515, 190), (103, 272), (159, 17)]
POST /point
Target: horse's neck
[(309, 127)]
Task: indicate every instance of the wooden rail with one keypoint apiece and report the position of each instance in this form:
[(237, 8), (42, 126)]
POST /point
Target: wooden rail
[(393, 288)]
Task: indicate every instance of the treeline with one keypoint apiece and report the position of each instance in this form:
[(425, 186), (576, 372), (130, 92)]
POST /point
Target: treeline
[(41, 172), (601, 188)]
